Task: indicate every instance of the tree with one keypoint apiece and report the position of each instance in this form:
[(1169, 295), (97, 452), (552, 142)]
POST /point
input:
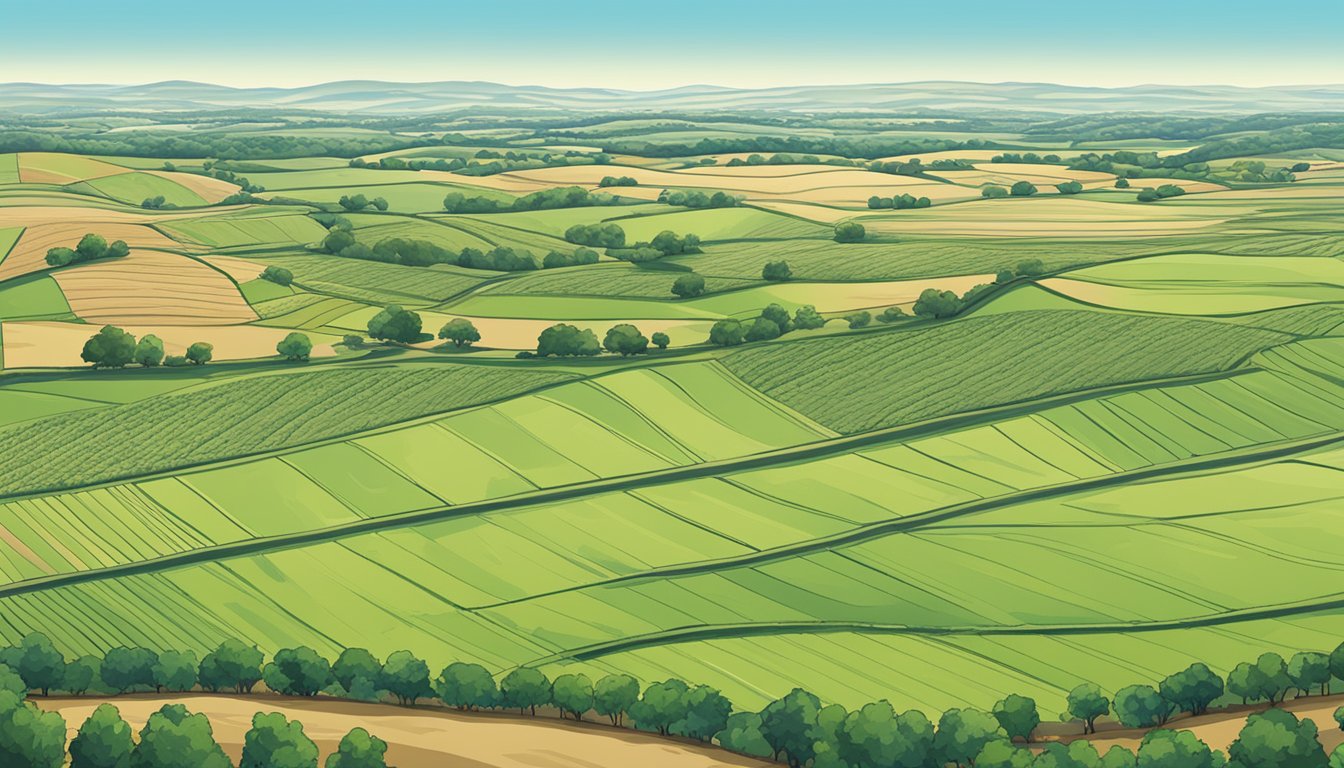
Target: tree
[(614, 695), (706, 714), (565, 340), (276, 742), (1247, 681), (37, 661), (526, 689), (727, 333), (1274, 680), (849, 232), (876, 736), (1165, 748), (1087, 704), (29, 737), (762, 329), (200, 353), (338, 240), (625, 339), (1022, 189), (298, 671), (787, 725), (778, 271), (466, 686), (1192, 689), (1017, 716), (688, 286), (1122, 183), (277, 275), (460, 331), (742, 733), (891, 315), (1147, 195), (1078, 754), (936, 304), (660, 339), (111, 347), (1337, 662), (859, 319), (91, 247), (962, 733), (103, 741), (993, 192), (1337, 757), (1030, 267), (572, 694), (1275, 738), (807, 318), (125, 669), (1339, 717), (1140, 706), (81, 675), (355, 664), (1003, 754), (174, 671), (232, 665), (148, 351), (10, 681), (1069, 187), (175, 738), (661, 705), (405, 677), (1309, 670), (295, 346), (358, 749), (395, 324)]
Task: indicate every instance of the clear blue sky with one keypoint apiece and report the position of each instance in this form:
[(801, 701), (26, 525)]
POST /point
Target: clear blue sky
[(648, 44)]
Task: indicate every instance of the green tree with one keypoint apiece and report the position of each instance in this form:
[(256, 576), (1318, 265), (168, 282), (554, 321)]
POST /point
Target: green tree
[(359, 749), (1118, 757), (688, 286), (460, 331), (706, 714), (1337, 662), (276, 742), (395, 324), (298, 671), (1174, 749), (859, 319), (126, 669), (962, 733), (1122, 183), (148, 351), (1275, 682), (103, 741), (1192, 689), (1087, 704), (200, 353), (849, 232), (91, 247), (1017, 716), (778, 271), (1337, 757), (175, 738), (81, 675), (12, 682), (1003, 754), (338, 240), (1022, 189), (660, 339), (762, 329), (277, 275), (807, 318), (295, 346), (232, 665), (355, 664), (60, 257), (111, 347), (788, 726), (625, 339), (875, 735), (466, 686), (1309, 670), (1077, 754), (1140, 706), (1339, 717), (742, 733), (174, 671), (891, 315), (614, 695), (993, 192), (727, 332), (1069, 187), (1275, 738), (565, 340), (572, 694), (526, 689), (405, 677), (1247, 681), (661, 705), (29, 737), (933, 303), (38, 662)]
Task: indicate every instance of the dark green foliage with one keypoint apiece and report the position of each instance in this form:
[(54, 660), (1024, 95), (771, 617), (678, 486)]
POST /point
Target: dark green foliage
[(111, 347), (788, 725), (1192, 689), (1122, 183), (37, 661), (355, 664), (1026, 157), (572, 694), (1148, 194), (579, 257), (200, 353), (405, 676), (659, 339), (81, 675), (176, 738), (1164, 748), (277, 275), (776, 271), (935, 304), (103, 741), (875, 735), (298, 671), (156, 203), (295, 346), (127, 669), (625, 339), (688, 286), (694, 198), (763, 329), (359, 202), (742, 733), (395, 324), (849, 232), (807, 318), (460, 331), (232, 666), (149, 351), (565, 340), (962, 733), (1070, 187), (358, 749), (1022, 189), (661, 705), (614, 695), (891, 315), (276, 742), (993, 192), (617, 181), (1308, 670), (1003, 754), (859, 319), (29, 737), (727, 333), (466, 686), (706, 714), (1078, 754), (526, 689), (899, 202), (596, 235), (1017, 716), (175, 671), (90, 248), (1275, 738), (1087, 703), (1141, 706)]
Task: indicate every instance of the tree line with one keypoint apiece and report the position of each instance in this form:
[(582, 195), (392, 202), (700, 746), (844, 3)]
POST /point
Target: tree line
[(113, 347), (544, 199), (341, 241), (91, 247)]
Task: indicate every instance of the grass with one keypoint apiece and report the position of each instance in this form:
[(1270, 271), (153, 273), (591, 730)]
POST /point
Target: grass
[(134, 188), (8, 237), (33, 298), (376, 282), (279, 229)]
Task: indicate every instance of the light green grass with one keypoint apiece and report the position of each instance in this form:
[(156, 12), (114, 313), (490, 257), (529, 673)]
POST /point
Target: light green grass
[(9, 169), (134, 188), (32, 298)]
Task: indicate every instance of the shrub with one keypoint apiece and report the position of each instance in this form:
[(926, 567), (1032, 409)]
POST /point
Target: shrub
[(277, 275), (688, 286), (565, 340), (1022, 189), (777, 271), (859, 319), (993, 192), (849, 232), (295, 346)]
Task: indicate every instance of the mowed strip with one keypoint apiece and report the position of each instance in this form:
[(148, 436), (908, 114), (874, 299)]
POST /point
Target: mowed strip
[(56, 344), (153, 287)]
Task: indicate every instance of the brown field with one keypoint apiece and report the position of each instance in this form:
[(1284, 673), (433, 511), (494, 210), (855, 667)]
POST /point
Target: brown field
[(429, 738), (29, 254), (153, 287), (54, 344), (240, 270)]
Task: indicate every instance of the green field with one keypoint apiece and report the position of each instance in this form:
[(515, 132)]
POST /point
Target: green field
[(133, 188)]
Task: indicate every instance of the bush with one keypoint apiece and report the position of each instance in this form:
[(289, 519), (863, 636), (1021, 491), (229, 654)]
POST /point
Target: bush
[(727, 333), (1122, 183), (295, 346), (596, 235), (1023, 189), (352, 341), (660, 339), (1070, 187), (891, 315), (395, 324), (849, 232), (993, 192), (776, 271), (625, 339), (111, 347), (688, 286), (936, 304), (565, 340), (200, 353), (460, 331), (859, 319), (277, 275)]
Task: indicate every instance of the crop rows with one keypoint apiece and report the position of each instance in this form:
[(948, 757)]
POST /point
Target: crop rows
[(374, 281)]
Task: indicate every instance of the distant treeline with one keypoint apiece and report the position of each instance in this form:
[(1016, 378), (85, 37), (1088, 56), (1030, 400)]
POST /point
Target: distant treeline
[(847, 146), (1115, 127), (229, 146)]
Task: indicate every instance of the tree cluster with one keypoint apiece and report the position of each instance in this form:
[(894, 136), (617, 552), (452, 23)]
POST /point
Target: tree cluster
[(694, 198), (899, 202), (1148, 194), (112, 347), (773, 322), (90, 247)]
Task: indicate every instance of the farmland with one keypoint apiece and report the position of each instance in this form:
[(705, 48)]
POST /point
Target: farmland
[(981, 444)]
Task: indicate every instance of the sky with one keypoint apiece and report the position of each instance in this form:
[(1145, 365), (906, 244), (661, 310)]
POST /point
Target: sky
[(655, 44)]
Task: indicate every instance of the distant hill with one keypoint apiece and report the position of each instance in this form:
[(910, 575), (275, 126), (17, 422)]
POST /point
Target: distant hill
[(373, 97)]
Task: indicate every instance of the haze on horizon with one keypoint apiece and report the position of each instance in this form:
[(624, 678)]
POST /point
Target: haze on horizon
[(612, 44)]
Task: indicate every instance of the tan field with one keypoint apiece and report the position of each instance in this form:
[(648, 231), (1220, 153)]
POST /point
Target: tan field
[(427, 738), (52, 344), (1189, 185), (857, 197), (973, 155), (30, 253), (1054, 215), (50, 168), (811, 212), (748, 183), (211, 190), (152, 287), (240, 270)]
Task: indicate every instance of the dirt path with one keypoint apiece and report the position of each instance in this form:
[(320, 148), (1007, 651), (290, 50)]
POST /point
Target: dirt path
[(427, 738)]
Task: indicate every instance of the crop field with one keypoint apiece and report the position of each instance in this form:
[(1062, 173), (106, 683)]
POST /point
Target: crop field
[(985, 443)]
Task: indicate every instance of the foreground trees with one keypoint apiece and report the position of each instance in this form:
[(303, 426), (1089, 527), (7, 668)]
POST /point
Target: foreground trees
[(460, 331), (395, 324), (295, 346), (565, 340), (90, 247), (111, 347)]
